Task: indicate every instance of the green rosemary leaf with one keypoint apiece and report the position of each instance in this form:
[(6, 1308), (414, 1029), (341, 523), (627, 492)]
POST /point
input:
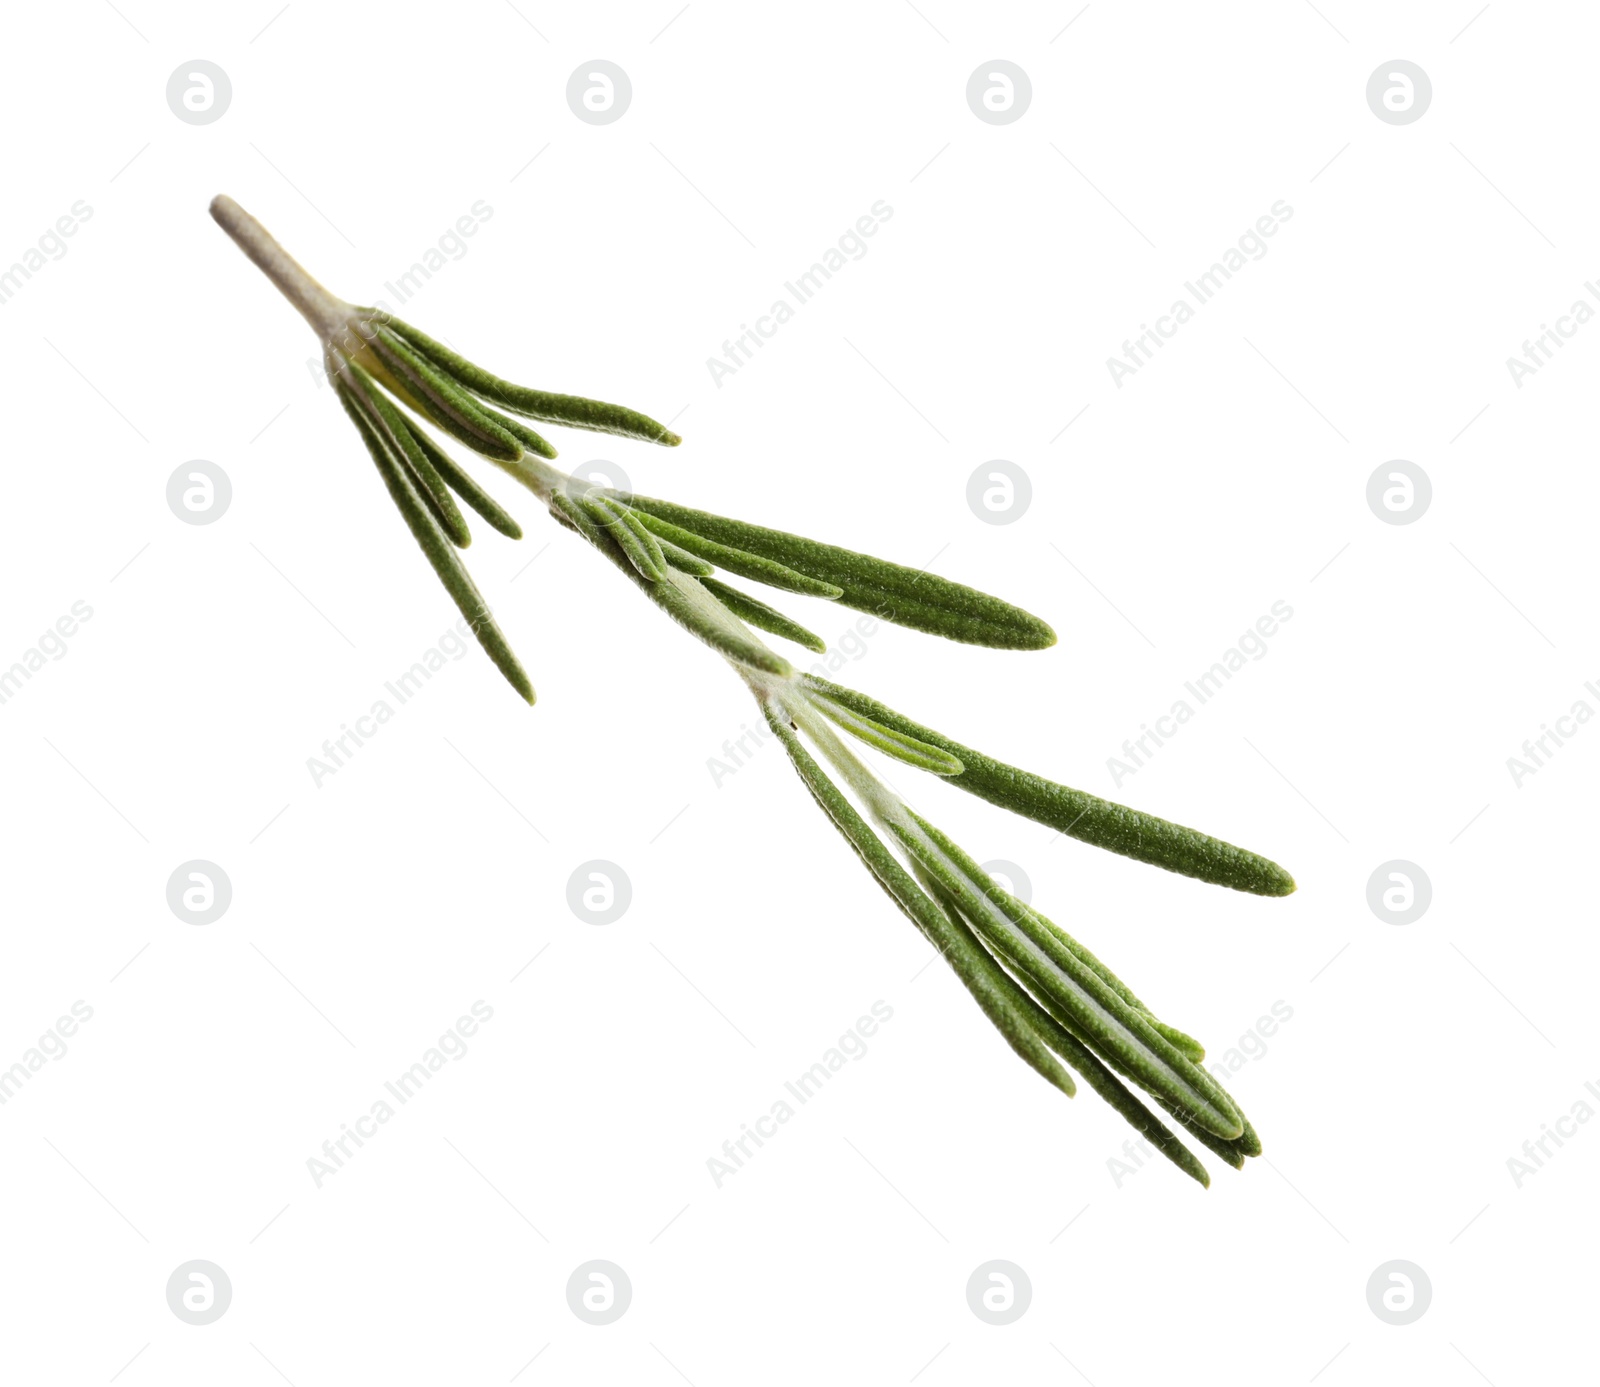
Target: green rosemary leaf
[(906, 596), (1233, 1151), (1008, 1007), (680, 596), (683, 560), (1190, 1047), (1114, 1029), (746, 565), (531, 442), (757, 614), (698, 611), (645, 557), (393, 426), (1126, 1103), (437, 548), (571, 410), (1186, 1043), (887, 740), (466, 488), (1086, 817), (648, 543), (440, 399)]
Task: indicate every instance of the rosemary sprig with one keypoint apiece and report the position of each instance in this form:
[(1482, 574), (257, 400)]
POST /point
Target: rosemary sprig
[(1055, 1003)]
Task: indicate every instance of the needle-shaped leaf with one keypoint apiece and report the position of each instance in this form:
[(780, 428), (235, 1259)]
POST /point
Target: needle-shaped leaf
[(1126, 1103), (906, 596), (755, 613), (1114, 1028), (392, 425), (1086, 817), (634, 540), (1233, 1151), (1191, 1047), (1012, 1012), (1186, 1043), (572, 410), (679, 595), (439, 398), (746, 565), (892, 743), (683, 560), (465, 487), (437, 548), (531, 442)]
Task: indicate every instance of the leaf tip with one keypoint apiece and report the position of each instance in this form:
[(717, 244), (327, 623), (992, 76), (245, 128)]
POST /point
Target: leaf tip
[(1273, 880), (1040, 636)]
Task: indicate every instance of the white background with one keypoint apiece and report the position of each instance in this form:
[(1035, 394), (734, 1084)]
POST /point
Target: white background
[(369, 913)]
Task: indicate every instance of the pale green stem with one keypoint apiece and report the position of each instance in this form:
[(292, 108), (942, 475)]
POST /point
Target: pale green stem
[(331, 318)]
